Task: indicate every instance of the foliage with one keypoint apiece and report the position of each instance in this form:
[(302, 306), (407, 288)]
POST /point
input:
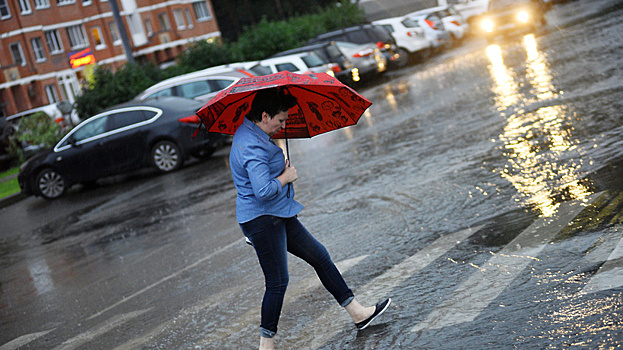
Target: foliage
[(108, 88), (202, 55), (256, 43), (37, 129), (268, 38)]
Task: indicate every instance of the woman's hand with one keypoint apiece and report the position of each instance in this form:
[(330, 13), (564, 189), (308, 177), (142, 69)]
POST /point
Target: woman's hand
[(288, 175)]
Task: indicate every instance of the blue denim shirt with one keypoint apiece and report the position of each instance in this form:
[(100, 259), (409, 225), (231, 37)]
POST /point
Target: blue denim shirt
[(255, 163)]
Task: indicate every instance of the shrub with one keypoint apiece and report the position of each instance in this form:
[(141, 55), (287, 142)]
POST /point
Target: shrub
[(108, 88), (38, 129)]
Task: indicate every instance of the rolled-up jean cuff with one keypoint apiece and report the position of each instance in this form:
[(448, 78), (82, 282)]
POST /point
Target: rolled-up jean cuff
[(265, 333), (347, 301)]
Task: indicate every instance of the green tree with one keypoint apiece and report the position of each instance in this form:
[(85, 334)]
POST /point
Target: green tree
[(108, 88)]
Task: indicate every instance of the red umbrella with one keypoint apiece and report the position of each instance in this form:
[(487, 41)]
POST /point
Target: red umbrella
[(323, 104)]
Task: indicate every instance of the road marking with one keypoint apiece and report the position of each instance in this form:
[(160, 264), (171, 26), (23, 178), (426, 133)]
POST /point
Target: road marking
[(164, 279), (91, 334), (610, 274), (23, 340), (487, 282), (334, 320), (253, 315)]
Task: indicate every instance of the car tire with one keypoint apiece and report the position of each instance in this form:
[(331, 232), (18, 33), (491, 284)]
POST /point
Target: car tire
[(50, 184), (166, 156)]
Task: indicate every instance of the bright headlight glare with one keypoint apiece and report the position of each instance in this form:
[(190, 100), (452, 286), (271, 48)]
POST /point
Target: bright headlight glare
[(487, 25), (523, 16)]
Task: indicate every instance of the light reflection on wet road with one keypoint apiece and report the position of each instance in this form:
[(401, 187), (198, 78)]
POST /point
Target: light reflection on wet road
[(482, 191)]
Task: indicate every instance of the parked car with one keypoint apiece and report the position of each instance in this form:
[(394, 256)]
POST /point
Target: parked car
[(471, 10), (330, 53), (366, 34), (155, 132), (62, 112), (434, 30), (200, 85), (506, 16), (367, 59), (409, 34), (453, 21), (303, 62)]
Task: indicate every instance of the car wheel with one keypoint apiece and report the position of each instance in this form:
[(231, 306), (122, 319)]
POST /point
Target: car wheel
[(404, 57), (166, 156), (50, 184)]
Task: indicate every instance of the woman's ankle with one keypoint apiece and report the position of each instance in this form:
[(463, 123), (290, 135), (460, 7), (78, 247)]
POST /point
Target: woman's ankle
[(267, 343)]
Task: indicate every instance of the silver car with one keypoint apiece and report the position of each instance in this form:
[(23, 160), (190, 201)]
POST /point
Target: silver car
[(366, 58), (201, 85)]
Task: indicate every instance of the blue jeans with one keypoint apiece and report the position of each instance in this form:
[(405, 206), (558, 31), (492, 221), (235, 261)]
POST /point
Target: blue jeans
[(272, 238)]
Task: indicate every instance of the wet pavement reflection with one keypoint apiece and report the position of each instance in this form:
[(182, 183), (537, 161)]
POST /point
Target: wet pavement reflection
[(482, 191)]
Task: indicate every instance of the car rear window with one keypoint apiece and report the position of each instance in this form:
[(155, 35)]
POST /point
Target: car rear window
[(260, 70), (194, 89), (220, 84), (410, 23), (312, 60), (290, 67), (161, 93), (389, 27), (334, 53), (360, 37)]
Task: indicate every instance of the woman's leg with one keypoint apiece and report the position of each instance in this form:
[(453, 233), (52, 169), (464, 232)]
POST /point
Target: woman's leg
[(303, 245), (268, 235)]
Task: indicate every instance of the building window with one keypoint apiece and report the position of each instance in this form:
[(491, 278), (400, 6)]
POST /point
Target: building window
[(4, 10), (37, 48), (54, 41), (77, 37), (24, 6), (96, 34), (50, 90), (17, 53), (179, 19), (42, 4), (150, 30), (134, 22), (65, 2), (116, 39), (201, 11), (189, 19), (87, 2), (164, 21)]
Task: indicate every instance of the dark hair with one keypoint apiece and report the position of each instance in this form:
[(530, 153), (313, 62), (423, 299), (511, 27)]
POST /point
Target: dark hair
[(272, 101)]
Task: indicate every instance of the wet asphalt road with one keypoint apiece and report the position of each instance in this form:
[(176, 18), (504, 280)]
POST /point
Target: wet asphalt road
[(482, 191)]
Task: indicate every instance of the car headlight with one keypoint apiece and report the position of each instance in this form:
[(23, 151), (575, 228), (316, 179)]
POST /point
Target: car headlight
[(523, 16), (487, 25)]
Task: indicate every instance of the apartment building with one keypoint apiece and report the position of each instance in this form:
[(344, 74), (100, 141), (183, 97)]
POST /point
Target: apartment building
[(49, 47)]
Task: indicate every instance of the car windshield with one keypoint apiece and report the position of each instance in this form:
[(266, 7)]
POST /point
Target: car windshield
[(312, 60)]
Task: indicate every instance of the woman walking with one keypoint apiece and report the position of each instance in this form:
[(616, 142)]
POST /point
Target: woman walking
[(267, 214)]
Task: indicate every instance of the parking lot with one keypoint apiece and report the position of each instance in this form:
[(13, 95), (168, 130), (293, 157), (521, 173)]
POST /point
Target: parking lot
[(481, 191)]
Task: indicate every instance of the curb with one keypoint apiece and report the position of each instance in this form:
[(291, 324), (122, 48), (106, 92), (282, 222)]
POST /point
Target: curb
[(12, 199)]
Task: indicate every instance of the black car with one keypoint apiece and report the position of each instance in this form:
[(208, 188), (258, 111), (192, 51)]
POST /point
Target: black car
[(506, 16), (364, 34), (330, 53), (156, 132)]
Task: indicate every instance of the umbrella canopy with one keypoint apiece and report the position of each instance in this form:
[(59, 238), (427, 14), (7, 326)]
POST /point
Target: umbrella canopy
[(323, 104)]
